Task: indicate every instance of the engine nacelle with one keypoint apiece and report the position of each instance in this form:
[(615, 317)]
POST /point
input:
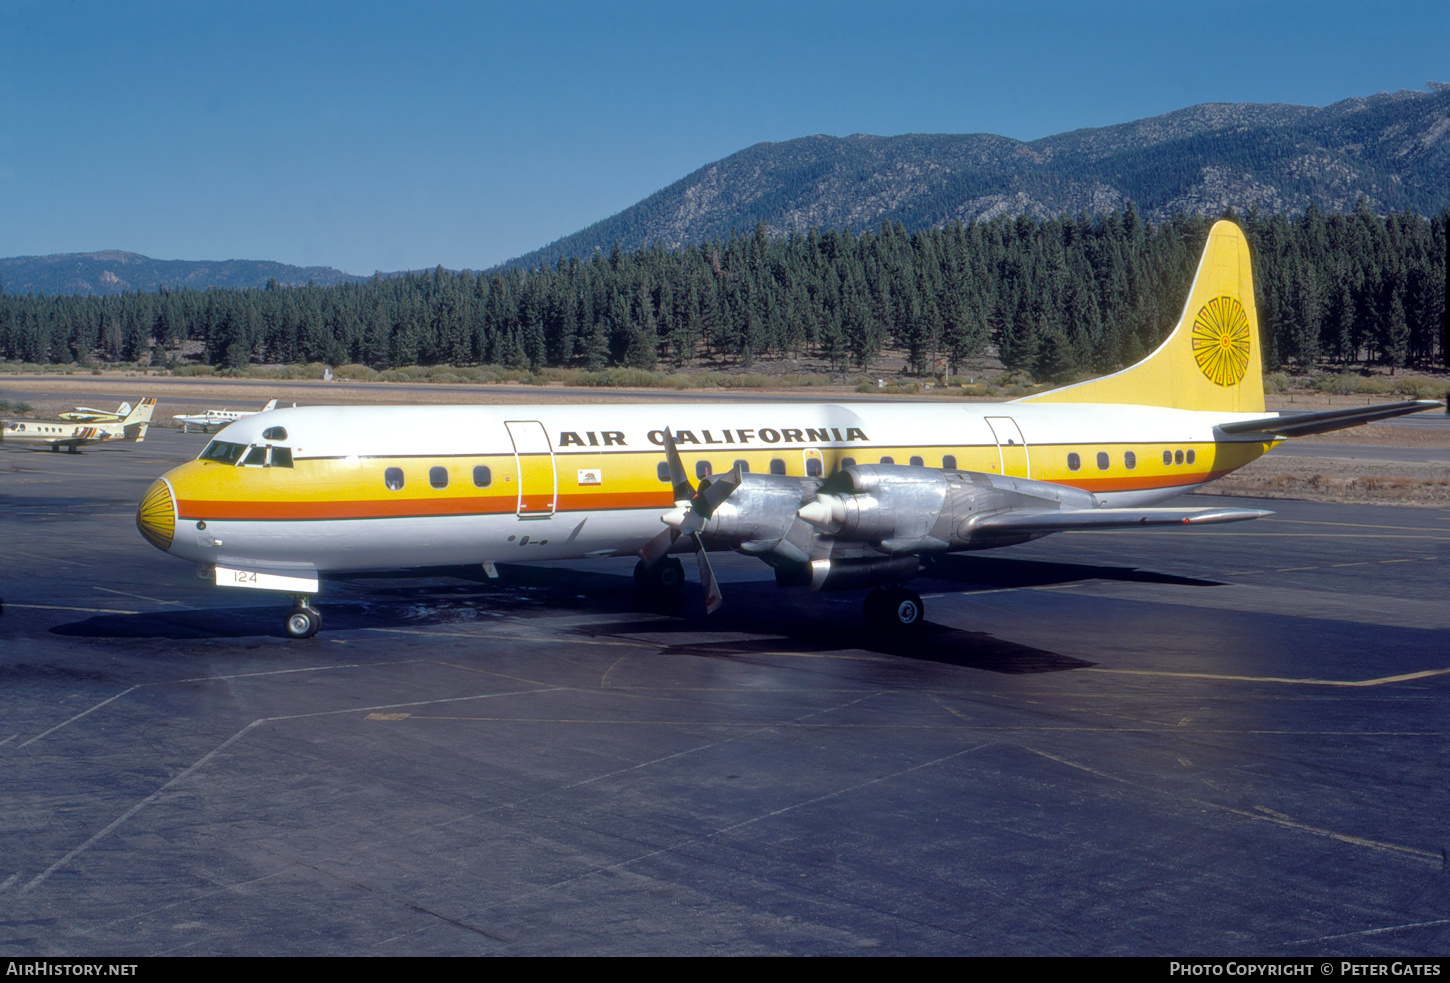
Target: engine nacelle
[(848, 574), (759, 515), (904, 509), (866, 524)]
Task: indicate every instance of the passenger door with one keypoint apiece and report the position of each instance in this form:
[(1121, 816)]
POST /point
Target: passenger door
[(1011, 447), (534, 456)]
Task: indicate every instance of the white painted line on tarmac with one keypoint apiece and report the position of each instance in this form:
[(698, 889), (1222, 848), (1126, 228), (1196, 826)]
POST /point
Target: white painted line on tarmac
[(78, 716), (70, 607), (1381, 681), (139, 597), (1275, 819)]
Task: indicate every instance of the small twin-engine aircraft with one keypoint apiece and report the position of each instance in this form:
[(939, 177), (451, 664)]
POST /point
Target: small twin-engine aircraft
[(74, 436), (840, 495), (86, 414), (209, 420)]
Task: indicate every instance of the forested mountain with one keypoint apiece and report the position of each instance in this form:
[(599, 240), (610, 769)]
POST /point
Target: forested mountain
[(113, 271), (1063, 256), (1392, 148)]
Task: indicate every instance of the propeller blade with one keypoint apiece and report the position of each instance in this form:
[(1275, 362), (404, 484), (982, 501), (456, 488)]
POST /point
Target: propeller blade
[(659, 547), (688, 519), (713, 600), (713, 491), (684, 491)]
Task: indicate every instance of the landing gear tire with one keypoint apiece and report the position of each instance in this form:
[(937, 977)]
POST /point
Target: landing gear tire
[(896, 608), (303, 622), (665, 577)]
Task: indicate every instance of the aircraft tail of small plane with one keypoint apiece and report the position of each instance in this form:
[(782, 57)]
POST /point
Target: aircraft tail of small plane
[(1211, 360), (271, 405), (136, 422)]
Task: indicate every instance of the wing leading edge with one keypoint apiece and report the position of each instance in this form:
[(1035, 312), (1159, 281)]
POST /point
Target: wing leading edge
[(1289, 424), (1064, 521)]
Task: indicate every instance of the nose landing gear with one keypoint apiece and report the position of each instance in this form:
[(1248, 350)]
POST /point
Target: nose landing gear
[(303, 621)]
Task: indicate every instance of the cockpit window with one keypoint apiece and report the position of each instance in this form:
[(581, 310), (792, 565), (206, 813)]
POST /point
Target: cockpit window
[(274, 433), (223, 452)]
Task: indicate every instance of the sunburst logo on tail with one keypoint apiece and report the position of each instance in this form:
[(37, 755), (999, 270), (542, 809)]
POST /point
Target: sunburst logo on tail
[(1221, 340)]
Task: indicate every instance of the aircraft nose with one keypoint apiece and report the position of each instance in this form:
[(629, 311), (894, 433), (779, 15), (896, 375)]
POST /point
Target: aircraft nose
[(156, 515)]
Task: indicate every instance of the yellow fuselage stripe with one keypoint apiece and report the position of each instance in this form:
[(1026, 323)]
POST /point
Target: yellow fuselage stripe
[(320, 488)]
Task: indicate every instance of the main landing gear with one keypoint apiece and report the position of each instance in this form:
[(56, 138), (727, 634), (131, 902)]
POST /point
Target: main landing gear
[(664, 578), (894, 607), (304, 621)]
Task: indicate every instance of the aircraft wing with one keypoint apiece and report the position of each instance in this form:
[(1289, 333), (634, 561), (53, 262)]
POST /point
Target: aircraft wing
[(875, 510), (1054, 520), (1288, 424)]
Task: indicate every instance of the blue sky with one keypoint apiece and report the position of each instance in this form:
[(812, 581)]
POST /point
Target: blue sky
[(386, 136)]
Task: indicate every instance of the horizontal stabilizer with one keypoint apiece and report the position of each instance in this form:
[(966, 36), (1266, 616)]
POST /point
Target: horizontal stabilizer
[(1304, 424), (1047, 520)]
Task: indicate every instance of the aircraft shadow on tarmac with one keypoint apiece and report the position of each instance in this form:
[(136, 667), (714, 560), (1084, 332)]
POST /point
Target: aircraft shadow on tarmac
[(798, 636), (791, 621), (995, 573)]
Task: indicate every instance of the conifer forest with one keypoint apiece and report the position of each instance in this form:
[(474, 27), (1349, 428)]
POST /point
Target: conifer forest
[(1057, 299)]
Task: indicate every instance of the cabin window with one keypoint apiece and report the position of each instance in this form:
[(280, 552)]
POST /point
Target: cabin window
[(777, 466), (256, 458), (438, 477), (813, 467), (482, 476), (1190, 457), (1167, 458), (1130, 460), (1103, 460), (848, 462), (949, 461), (916, 461), (223, 452), (1177, 457), (887, 459), (702, 469), (662, 471), (274, 433), (281, 457), (393, 479), (1074, 463), (743, 466)]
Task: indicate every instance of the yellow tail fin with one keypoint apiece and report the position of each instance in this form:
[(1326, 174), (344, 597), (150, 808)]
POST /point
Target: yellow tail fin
[(1211, 360)]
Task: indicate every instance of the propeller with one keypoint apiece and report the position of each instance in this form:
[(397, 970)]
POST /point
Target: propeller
[(692, 509)]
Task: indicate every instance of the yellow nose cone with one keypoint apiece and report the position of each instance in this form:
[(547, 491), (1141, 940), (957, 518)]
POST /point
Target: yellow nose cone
[(156, 516)]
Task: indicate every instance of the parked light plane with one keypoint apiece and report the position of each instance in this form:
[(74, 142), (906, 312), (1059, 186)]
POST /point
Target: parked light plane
[(74, 436), (842, 495), (210, 420), (86, 414)]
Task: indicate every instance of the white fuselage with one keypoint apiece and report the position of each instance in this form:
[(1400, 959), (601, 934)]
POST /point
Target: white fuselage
[(363, 488)]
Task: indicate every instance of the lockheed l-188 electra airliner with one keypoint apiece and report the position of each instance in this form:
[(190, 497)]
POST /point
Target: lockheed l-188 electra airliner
[(831, 495)]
